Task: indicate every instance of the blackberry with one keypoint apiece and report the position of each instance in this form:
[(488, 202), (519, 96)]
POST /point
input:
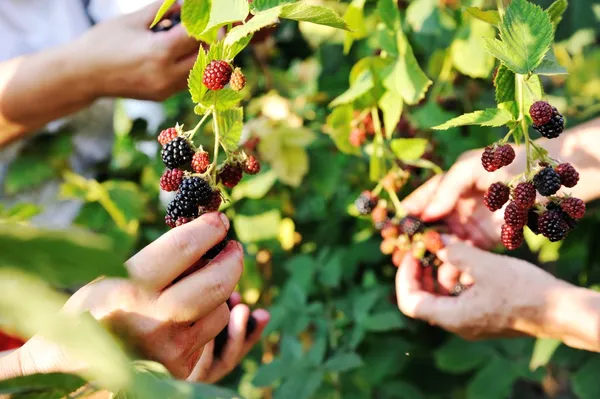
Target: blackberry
[(215, 202), (357, 137), (238, 80), (366, 202), (411, 225), (177, 152), (167, 136), (251, 166), (171, 179), (216, 75), (430, 260), (574, 207), (169, 221), (540, 112), (524, 195), (553, 225), (512, 237), (504, 155), (547, 181), (214, 251), (488, 160), (182, 220), (380, 217), (181, 207), (554, 127), (458, 289), (433, 241), (569, 177), (196, 190), (496, 196), (230, 175), (532, 221), (200, 161), (515, 216)]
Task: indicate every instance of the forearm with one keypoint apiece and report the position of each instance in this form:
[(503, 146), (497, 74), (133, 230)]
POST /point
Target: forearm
[(39, 88)]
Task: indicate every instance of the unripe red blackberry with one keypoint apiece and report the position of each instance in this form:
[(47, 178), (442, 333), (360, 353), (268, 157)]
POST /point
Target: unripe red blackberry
[(366, 202), (251, 165), (547, 181), (574, 207), (216, 75), (200, 161), (540, 112), (390, 231), (238, 80), (178, 152), (169, 221), (512, 237), (488, 160), (554, 127), (171, 179), (433, 241), (496, 196), (515, 215), (524, 195), (411, 225), (167, 135), (215, 202), (388, 246), (569, 177), (379, 216), (196, 190), (398, 257), (532, 221), (231, 174), (357, 137), (504, 155), (182, 220), (553, 225)]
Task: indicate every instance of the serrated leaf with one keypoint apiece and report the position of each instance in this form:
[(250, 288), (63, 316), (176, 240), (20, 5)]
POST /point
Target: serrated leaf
[(195, 15), (231, 123), (262, 5), (391, 104), (556, 11), (543, 350), (550, 66), (489, 16), (195, 85), (162, 11), (259, 21), (342, 362), (526, 33), (315, 14), (468, 53), (506, 91), (361, 86), (223, 12), (389, 14), (225, 99), (488, 117), (257, 228), (408, 149), (338, 128)]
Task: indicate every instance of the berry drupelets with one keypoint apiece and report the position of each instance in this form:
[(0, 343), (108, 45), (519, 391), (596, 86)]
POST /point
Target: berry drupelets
[(574, 207), (251, 165), (171, 179), (495, 157), (569, 177), (496, 196), (552, 225), (217, 75), (200, 161), (196, 190), (512, 237), (547, 181), (238, 80), (524, 194), (546, 119), (231, 174), (366, 203), (177, 153)]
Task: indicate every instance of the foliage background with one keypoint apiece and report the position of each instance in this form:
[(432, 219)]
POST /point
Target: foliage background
[(335, 329)]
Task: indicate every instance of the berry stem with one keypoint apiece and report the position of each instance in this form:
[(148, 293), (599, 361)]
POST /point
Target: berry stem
[(213, 166), (400, 211), (377, 188), (500, 4), (193, 131), (524, 127)]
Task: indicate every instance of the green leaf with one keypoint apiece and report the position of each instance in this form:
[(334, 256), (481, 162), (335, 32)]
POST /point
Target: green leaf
[(377, 167), (385, 321), (389, 14), (342, 362), (262, 5), (26, 172), (422, 16), (195, 15), (408, 149), (195, 85), (488, 117), (550, 66), (301, 385), (257, 228), (355, 20), (556, 11), (338, 128), (231, 123), (506, 91), (255, 187), (468, 54), (223, 12), (391, 104), (459, 356), (310, 13), (489, 16), (226, 98), (127, 197), (41, 386), (585, 380), (269, 373), (59, 257), (162, 11), (19, 212), (494, 381), (259, 21), (526, 33), (82, 337), (363, 84), (542, 352)]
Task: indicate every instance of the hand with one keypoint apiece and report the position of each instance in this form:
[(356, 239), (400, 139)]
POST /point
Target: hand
[(125, 59), (211, 369), (457, 197), (505, 296), (168, 322)]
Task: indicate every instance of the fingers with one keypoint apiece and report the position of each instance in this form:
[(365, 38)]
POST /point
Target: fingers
[(448, 276), (179, 42), (161, 262), (197, 294), (467, 258), (443, 201), (235, 299), (416, 202), (145, 16)]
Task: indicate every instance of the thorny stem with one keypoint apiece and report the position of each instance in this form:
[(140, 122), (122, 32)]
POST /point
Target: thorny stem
[(523, 120), (400, 211), (193, 132)]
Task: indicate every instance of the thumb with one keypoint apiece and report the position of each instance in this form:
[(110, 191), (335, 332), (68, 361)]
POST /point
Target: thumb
[(467, 258), (145, 16)]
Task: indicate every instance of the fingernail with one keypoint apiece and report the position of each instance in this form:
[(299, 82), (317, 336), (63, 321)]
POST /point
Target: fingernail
[(224, 220)]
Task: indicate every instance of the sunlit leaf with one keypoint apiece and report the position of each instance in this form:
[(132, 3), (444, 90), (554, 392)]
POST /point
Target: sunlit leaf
[(487, 117)]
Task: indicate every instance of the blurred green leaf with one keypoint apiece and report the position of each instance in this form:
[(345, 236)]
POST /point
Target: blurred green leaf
[(231, 123), (459, 356), (162, 11), (487, 117), (355, 20), (468, 55), (262, 5), (260, 20), (269, 373), (489, 16), (338, 128), (389, 14), (542, 352), (422, 16), (585, 380), (311, 13), (301, 385), (223, 12), (556, 11), (41, 386), (408, 149), (385, 321), (255, 187), (26, 172), (225, 99), (493, 381), (505, 90), (392, 105), (550, 66), (361, 86), (257, 228), (341, 362)]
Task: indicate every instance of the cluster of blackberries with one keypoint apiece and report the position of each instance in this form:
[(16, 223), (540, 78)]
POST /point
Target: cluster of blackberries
[(546, 119), (362, 128), (218, 74)]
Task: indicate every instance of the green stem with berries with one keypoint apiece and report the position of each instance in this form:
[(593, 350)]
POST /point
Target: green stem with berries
[(204, 118), (213, 167), (523, 120)]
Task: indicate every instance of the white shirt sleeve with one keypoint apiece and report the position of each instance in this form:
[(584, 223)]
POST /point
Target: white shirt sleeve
[(101, 10)]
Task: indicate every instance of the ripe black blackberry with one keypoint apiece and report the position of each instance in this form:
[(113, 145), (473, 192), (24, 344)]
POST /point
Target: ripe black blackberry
[(181, 207), (574, 207), (488, 160), (532, 221), (553, 225), (215, 202), (547, 181), (200, 161), (569, 177), (496, 196), (540, 112), (196, 190), (504, 155), (214, 251), (411, 225), (366, 202), (524, 194), (216, 75), (515, 216), (251, 165), (171, 179), (231, 174), (178, 152), (458, 289), (512, 237), (554, 127)]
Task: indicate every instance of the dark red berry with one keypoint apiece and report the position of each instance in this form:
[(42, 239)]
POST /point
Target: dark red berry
[(504, 155), (574, 207), (167, 135), (515, 215), (200, 162), (215, 202), (496, 196), (547, 181), (366, 202), (214, 251), (568, 174), (411, 225), (540, 112), (216, 75), (182, 220), (251, 165), (178, 152), (171, 179), (231, 174), (489, 161), (524, 195), (512, 237), (532, 221), (238, 80), (553, 225), (169, 221), (357, 137), (433, 241), (554, 127)]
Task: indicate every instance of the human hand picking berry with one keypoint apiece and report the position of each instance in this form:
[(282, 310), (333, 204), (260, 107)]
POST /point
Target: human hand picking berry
[(501, 297)]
